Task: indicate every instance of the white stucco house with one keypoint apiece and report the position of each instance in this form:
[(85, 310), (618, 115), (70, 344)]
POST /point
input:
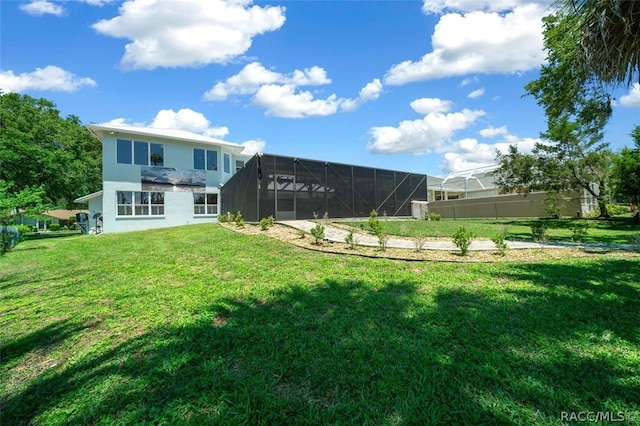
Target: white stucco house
[(156, 178)]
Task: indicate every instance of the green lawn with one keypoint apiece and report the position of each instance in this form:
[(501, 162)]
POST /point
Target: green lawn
[(200, 325), (615, 231)]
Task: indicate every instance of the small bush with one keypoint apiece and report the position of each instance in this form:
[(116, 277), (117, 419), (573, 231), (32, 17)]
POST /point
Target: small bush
[(383, 240), (266, 223), (350, 240), (578, 232), (462, 238), (617, 209), (23, 229), (419, 243), (54, 227), (239, 220), (301, 233), (432, 216), (231, 217), (375, 224), (539, 232), (223, 218), (318, 233)]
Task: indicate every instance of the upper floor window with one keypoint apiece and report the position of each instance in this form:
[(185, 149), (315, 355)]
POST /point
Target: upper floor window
[(227, 163), (205, 159), (239, 165), (132, 203), (140, 153)]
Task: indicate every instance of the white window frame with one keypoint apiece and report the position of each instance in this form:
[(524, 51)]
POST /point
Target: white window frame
[(206, 209), (135, 207)]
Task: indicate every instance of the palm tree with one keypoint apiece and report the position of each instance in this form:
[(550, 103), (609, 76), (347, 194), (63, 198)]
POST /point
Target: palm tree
[(610, 37)]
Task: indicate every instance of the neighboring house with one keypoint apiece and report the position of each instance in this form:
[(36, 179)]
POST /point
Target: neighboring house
[(156, 178), (60, 217)]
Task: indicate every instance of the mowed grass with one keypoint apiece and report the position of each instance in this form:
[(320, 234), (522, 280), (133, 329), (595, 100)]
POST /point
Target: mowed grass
[(615, 231), (200, 325)]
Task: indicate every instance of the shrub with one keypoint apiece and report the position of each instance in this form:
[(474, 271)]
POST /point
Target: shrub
[(462, 238), (239, 220), (383, 240), (539, 232), (617, 209), (432, 216), (350, 240), (23, 229), (419, 242), (223, 218), (375, 224), (318, 233), (231, 217), (266, 222), (578, 232), (499, 241), (54, 227), (301, 233)]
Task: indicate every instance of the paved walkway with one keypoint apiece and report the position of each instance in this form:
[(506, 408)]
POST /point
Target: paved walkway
[(336, 234)]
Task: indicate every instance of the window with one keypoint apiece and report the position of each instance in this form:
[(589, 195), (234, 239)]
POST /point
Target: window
[(140, 153), (202, 158), (239, 165), (227, 163), (205, 204), (124, 151), (132, 203)]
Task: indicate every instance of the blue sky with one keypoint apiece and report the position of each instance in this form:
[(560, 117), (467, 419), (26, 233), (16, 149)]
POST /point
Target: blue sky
[(430, 87)]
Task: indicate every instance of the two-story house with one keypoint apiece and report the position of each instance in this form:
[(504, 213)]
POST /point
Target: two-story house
[(156, 178)]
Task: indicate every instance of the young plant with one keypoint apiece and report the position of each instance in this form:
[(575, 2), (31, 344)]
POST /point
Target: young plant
[(383, 240), (350, 240), (419, 242), (301, 233), (462, 238), (239, 220), (223, 218), (375, 224), (539, 233), (499, 241), (579, 231), (264, 224), (318, 233)]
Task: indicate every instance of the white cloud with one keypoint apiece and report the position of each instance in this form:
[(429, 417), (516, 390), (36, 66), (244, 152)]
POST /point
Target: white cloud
[(195, 33), (370, 92), (97, 2), (284, 101), (189, 120), (439, 6), (476, 93), (492, 132), (478, 42), (281, 96), (430, 105), (422, 135), (253, 146), (253, 76), (42, 7), (631, 99), (467, 154), (50, 78), (468, 80)]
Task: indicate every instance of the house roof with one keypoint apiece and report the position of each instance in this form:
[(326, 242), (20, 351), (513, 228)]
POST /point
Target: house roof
[(172, 134), (86, 198), (63, 214)]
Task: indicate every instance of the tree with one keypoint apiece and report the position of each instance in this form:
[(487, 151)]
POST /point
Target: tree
[(38, 147), (28, 201), (626, 171), (608, 36), (577, 108)]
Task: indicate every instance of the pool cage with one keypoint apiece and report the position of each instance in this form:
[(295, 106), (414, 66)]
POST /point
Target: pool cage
[(290, 188)]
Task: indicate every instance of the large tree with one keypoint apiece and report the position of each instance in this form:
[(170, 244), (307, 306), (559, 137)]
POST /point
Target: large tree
[(39, 147), (608, 34), (577, 107), (626, 171)]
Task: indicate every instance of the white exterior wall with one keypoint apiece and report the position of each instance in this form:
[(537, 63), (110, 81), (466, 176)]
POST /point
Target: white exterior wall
[(178, 206)]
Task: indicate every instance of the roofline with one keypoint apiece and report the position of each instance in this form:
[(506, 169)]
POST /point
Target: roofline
[(86, 198), (97, 129)]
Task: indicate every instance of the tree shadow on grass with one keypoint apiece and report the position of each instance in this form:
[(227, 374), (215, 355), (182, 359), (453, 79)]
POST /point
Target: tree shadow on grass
[(353, 352)]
